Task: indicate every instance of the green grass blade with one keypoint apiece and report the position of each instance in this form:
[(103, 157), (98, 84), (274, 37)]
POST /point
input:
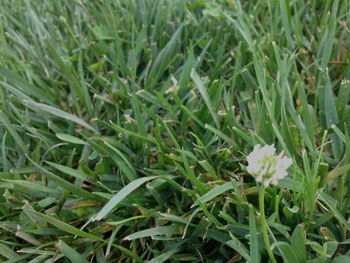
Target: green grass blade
[(335, 211), (254, 250), (123, 193), (59, 113), (156, 231), (332, 118), (13, 132), (298, 243), (205, 96), (64, 184), (70, 253)]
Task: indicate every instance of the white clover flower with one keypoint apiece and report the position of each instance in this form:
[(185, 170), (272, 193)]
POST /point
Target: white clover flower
[(265, 166)]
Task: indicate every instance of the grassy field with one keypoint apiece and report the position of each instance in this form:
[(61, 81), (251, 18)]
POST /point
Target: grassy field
[(125, 127)]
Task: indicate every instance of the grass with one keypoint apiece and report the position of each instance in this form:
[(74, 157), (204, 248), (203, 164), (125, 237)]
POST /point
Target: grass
[(125, 127)]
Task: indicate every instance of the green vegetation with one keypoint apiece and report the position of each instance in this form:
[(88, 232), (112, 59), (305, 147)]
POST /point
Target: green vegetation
[(125, 127)]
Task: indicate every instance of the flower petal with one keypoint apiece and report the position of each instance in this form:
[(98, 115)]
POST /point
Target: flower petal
[(265, 166)]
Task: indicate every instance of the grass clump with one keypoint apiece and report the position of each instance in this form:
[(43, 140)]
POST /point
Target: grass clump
[(125, 128)]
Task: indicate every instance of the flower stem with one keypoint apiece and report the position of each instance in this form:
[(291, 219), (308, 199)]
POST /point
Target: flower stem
[(263, 223)]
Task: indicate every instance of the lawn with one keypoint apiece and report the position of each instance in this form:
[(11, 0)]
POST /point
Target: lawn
[(130, 131)]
